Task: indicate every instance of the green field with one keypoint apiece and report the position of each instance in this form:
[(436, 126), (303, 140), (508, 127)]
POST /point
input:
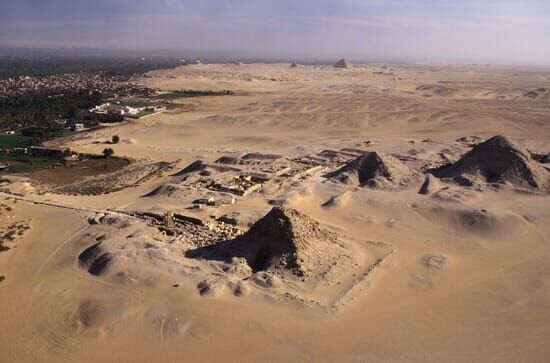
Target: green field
[(134, 103), (141, 114), (24, 164), (13, 141)]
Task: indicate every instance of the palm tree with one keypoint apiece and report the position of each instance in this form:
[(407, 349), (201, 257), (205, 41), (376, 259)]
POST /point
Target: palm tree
[(108, 152)]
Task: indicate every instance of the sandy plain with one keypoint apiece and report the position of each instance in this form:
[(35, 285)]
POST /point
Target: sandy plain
[(460, 273)]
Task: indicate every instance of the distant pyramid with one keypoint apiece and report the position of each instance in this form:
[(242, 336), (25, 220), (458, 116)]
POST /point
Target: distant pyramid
[(293, 65), (342, 63)]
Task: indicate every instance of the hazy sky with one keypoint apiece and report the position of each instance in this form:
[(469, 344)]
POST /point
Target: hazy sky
[(504, 31)]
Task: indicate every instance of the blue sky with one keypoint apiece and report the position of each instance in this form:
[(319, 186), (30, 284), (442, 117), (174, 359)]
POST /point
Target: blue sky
[(506, 31)]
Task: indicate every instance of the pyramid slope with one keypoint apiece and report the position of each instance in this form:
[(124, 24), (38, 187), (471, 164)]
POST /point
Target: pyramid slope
[(342, 63), (499, 160), (283, 240), (375, 170)]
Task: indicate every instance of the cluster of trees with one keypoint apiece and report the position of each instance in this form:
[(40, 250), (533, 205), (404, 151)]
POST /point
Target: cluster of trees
[(108, 152), (110, 117), (45, 66), (195, 93), (44, 108), (42, 132)]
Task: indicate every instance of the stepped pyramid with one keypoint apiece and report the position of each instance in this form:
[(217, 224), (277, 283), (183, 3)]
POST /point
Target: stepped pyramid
[(284, 239)]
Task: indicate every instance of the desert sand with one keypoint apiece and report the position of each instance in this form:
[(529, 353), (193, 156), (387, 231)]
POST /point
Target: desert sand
[(370, 213)]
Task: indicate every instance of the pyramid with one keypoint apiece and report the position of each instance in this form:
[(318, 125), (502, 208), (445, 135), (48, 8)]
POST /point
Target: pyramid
[(293, 65), (199, 166), (195, 166), (375, 170), (283, 240), (499, 160), (342, 63)]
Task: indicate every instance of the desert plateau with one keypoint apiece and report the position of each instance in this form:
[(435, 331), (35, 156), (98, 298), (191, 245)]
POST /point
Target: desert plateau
[(372, 212)]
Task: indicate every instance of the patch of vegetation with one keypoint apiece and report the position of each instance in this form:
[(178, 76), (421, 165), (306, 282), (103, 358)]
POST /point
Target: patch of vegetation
[(26, 164), (108, 152), (39, 133), (12, 232), (138, 103), (32, 67), (92, 119), (43, 108), (14, 141), (51, 107)]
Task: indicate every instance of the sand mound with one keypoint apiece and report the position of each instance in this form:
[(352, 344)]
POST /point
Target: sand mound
[(497, 224), (128, 141), (435, 90), (433, 261), (374, 170), (168, 190), (260, 156), (342, 63), (227, 160), (115, 220), (283, 240), (498, 160), (539, 93), (430, 185), (95, 259), (202, 167), (338, 201)]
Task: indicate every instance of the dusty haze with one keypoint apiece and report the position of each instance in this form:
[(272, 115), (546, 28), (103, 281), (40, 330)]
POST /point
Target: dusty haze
[(508, 32)]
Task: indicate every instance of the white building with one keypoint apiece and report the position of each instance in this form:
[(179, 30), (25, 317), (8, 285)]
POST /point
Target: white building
[(101, 108), (127, 110)]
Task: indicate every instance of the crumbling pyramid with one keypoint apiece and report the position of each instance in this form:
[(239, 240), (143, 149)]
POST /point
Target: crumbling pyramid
[(499, 160), (195, 166), (199, 166), (95, 259), (283, 240), (375, 170)]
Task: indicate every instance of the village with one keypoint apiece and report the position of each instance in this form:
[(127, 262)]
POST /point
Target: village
[(58, 83), (63, 105)]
